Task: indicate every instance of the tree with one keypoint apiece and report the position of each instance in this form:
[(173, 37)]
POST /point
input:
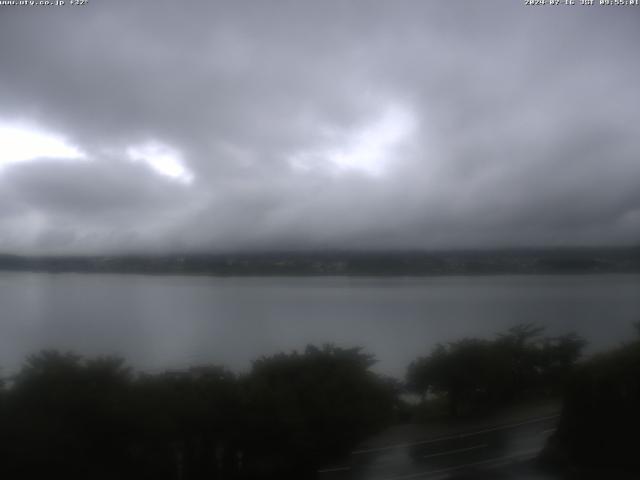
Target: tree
[(559, 356), (474, 373), (69, 415), (466, 372), (304, 408), (600, 419)]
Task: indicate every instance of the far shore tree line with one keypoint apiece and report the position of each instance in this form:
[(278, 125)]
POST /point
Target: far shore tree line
[(292, 413)]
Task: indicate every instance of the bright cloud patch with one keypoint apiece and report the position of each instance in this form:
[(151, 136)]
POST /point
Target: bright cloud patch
[(163, 159), (19, 144), (367, 149)]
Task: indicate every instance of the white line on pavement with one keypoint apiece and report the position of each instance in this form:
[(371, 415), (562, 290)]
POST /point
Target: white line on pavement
[(336, 469), (451, 437), (495, 461), (459, 450)]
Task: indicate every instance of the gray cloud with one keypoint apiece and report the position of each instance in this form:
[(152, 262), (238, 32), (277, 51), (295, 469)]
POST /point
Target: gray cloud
[(520, 125)]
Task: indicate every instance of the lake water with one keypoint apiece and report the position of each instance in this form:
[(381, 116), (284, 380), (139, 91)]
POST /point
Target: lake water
[(158, 322)]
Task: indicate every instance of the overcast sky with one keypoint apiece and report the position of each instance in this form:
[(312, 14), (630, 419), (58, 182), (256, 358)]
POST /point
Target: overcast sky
[(177, 126)]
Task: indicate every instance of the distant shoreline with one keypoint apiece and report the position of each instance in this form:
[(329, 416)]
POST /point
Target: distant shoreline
[(344, 263)]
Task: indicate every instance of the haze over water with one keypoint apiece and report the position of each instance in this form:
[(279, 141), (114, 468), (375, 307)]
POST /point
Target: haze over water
[(169, 322)]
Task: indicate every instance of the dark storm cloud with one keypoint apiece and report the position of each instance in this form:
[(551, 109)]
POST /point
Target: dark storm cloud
[(86, 190), (323, 124)]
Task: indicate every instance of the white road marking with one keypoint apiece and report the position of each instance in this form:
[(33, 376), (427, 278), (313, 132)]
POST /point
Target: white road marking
[(452, 437), (459, 450), (506, 427), (336, 469), (496, 461)]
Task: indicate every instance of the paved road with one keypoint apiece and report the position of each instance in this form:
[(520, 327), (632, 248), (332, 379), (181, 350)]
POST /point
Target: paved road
[(493, 451)]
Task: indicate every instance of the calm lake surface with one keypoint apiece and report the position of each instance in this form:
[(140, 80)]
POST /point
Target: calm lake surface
[(158, 322)]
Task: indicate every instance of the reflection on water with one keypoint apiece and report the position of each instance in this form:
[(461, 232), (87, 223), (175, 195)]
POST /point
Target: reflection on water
[(168, 322)]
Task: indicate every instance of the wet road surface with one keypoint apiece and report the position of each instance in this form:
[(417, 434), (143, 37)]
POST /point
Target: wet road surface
[(494, 451)]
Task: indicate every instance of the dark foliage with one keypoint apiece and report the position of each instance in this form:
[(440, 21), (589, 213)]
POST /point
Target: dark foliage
[(600, 421), (63, 415), (313, 406), (474, 374)]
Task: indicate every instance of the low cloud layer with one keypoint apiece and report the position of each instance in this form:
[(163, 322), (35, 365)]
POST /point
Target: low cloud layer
[(159, 126)]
